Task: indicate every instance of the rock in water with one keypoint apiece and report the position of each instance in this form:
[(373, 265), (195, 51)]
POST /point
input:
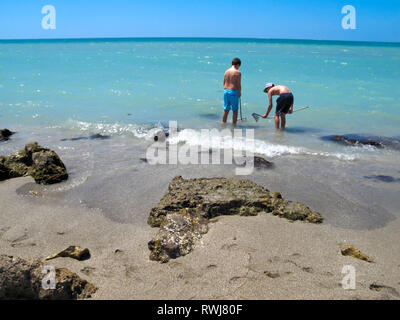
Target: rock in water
[(44, 165), (184, 211), (74, 252), (350, 140), (383, 178), (5, 134), (261, 163), (351, 251), (22, 279)]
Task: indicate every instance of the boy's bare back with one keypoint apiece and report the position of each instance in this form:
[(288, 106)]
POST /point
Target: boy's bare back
[(278, 90), (232, 80)]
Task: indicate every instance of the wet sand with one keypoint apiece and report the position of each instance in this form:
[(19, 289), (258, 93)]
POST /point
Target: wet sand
[(261, 257)]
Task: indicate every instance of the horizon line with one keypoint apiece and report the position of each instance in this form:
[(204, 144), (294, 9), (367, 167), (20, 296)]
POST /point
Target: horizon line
[(199, 38)]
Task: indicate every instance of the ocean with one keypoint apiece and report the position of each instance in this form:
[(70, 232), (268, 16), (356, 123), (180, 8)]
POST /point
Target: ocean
[(54, 91)]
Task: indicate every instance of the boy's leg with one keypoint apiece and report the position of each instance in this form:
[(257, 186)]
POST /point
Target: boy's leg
[(276, 121), (283, 120), (235, 116), (225, 116), (227, 107)]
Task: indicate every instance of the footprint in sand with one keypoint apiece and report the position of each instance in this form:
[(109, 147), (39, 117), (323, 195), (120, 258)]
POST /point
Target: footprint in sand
[(131, 271), (88, 270), (229, 246), (305, 269), (3, 231), (18, 242), (384, 289)]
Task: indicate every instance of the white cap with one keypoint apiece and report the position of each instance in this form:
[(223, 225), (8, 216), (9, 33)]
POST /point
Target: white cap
[(268, 85)]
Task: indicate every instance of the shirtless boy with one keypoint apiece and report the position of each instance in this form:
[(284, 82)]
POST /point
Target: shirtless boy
[(284, 104), (233, 90)]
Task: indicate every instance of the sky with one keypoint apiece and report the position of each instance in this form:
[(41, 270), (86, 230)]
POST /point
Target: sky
[(285, 19)]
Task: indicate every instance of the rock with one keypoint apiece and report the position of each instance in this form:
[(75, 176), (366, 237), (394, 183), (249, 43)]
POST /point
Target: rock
[(383, 178), (44, 165), (5, 134), (189, 205), (22, 279), (177, 236), (355, 140), (351, 251), (97, 136), (74, 252), (157, 134), (4, 171), (272, 275), (293, 211), (260, 163)]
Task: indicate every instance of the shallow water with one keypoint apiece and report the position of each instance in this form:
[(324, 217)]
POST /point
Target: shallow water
[(56, 90)]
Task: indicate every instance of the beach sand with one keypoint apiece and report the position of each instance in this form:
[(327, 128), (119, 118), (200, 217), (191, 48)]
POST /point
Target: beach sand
[(261, 257)]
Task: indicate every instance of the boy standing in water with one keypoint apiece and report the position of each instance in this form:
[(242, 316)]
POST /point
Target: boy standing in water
[(232, 90), (284, 104)]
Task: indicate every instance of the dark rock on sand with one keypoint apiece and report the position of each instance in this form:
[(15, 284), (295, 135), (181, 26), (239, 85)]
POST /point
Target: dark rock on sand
[(185, 210), (383, 178), (177, 236), (43, 164), (22, 279), (5, 134), (74, 252), (351, 251)]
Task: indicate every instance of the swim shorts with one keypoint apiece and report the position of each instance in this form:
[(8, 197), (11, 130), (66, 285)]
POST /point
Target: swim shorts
[(231, 100), (283, 103)]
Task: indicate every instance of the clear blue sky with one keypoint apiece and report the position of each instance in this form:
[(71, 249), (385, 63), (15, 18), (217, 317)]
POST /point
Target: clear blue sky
[(288, 19)]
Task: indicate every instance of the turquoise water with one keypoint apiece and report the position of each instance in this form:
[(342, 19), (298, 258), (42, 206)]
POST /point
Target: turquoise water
[(52, 90), (351, 87)]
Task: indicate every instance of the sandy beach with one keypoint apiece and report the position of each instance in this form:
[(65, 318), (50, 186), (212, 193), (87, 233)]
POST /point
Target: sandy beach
[(262, 257)]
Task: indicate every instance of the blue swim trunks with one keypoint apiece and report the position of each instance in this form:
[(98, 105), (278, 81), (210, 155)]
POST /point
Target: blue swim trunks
[(231, 100)]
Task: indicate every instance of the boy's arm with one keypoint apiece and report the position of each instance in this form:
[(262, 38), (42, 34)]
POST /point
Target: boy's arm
[(269, 105), (240, 84)]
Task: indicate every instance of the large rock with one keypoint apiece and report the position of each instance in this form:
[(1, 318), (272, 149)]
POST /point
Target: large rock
[(43, 164), (5, 134), (22, 279), (177, 236), (183, 213)]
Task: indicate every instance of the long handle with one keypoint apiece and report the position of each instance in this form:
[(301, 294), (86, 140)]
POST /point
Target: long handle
[(257, 116), (300, 109), (240, 107)]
